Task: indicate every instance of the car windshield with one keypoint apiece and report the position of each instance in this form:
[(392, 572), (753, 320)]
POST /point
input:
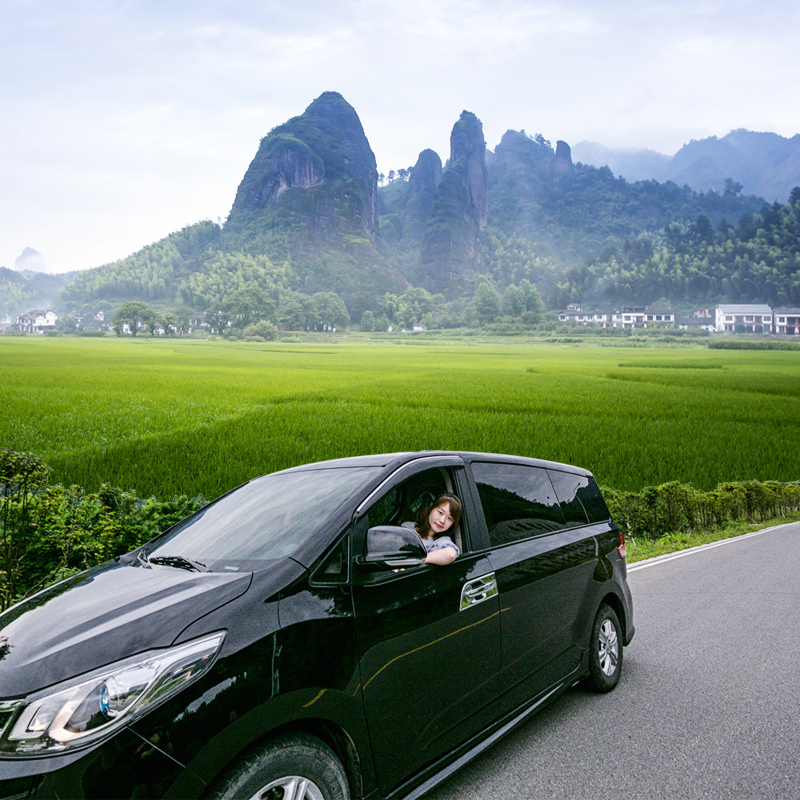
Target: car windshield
[(266, 519)]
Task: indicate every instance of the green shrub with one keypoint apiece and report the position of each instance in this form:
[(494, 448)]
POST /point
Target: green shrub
[(674, 507), (50, 532)]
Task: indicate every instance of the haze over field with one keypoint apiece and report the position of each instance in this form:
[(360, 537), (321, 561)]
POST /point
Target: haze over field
[(128, 120)]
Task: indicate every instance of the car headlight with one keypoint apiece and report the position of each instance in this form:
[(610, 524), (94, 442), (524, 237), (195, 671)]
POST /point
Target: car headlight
[(89, 707)]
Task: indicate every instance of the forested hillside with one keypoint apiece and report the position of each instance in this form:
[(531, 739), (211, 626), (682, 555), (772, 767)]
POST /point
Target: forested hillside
[(157, 272), (756, 260)]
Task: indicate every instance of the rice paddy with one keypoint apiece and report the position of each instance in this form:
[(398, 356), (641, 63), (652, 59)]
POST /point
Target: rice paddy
[(167, 417)]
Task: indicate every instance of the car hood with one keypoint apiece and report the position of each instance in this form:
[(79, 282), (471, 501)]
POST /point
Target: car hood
[(100, 616)]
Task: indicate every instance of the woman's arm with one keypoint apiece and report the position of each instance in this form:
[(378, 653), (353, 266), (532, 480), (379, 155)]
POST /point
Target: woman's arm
[(441, 557)]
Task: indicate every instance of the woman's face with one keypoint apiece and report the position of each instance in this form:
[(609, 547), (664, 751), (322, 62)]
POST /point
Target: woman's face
[(440, 519)]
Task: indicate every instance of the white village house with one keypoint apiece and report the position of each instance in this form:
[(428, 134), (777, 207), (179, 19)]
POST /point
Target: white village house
[(36, 321), (625, 317), (756, 317), (787, 321)]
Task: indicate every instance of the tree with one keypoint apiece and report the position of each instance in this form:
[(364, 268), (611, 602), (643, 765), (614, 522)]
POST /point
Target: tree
[(367, 321), (513, 302), (134, 314), (169, 322), (261, 331), (250, 304), (218, 317), (391, 175), (486, 304), (21, 476), (297, 312), (183, 316), (331, 311)]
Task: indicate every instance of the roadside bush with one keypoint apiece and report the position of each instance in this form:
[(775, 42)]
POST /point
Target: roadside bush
[(676, 507), (50, 532)]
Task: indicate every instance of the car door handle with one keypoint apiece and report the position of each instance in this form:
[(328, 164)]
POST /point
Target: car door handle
[(478, 590)]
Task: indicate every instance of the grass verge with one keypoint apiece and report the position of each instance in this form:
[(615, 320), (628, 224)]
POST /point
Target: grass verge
[(640, 549)]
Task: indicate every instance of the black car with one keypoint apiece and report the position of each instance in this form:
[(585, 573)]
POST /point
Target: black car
[(287, 640)]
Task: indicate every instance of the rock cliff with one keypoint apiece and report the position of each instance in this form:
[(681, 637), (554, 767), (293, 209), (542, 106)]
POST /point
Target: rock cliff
[(451, 248), (310, 197), (425, 178), (316, 170), (563, 163)]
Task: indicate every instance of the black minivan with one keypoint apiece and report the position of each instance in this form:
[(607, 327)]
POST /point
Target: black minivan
[(288, 640)]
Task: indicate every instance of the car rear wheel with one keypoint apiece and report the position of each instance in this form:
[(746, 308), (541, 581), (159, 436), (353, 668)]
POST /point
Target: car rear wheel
[(296, 767), (605, 651)]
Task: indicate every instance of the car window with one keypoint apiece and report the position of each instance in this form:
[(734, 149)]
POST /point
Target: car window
[(592, 499), (265, 519), (403, 502), (568, 487), (518, 501)]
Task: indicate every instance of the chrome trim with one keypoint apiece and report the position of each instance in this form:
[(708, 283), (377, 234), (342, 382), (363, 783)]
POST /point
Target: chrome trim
[(478, 590)]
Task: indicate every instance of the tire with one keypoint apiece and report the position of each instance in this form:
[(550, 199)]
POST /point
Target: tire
[(605, 650), (293, 767)]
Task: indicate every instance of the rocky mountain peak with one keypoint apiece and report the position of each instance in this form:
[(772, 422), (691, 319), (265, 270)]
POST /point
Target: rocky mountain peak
[(451, 248), (318, 169), (563, 164), (468, 147)]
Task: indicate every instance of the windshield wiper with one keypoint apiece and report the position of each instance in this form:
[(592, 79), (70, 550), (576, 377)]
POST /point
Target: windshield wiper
[(180, 563)]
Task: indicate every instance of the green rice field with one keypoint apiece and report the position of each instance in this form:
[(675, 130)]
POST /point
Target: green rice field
[(166, 417)]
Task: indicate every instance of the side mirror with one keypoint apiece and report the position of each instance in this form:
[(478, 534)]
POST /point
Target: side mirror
[(391, 547)]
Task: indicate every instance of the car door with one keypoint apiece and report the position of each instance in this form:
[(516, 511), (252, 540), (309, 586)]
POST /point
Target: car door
[(428, 637), (544, 572)]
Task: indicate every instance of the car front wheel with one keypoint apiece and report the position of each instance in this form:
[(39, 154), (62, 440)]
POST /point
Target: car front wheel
[(296, 767), (605, 653)]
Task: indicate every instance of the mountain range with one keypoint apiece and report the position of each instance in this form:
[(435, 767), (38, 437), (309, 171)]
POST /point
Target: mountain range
[(310, 219), (765, 164)]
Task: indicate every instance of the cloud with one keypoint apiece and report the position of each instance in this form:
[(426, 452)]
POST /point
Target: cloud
[(126, 119)]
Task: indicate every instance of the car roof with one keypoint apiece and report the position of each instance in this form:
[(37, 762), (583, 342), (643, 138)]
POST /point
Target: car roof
[(395, 460)]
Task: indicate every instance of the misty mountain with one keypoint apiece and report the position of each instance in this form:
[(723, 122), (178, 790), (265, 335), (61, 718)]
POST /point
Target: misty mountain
[(309, 218), (765, 164), (23, 290)]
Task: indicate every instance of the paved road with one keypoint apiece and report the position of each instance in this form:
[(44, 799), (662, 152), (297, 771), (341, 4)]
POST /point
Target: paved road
[(709, 702)]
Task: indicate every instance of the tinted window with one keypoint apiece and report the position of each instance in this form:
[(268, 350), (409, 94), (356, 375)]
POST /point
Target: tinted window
[(518, 501), (593, 502), (265, 519), (568, 486)]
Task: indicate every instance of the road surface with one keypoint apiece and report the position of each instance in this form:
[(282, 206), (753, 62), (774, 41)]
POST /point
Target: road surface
[(708, 705)]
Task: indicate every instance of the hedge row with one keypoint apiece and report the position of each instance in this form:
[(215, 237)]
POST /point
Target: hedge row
[(679, 507)]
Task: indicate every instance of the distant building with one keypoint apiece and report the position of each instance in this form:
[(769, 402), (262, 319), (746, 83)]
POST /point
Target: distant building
[(787, 321), (36, 321), (625, 317), (643, 316), (756, 318), (576, 313)]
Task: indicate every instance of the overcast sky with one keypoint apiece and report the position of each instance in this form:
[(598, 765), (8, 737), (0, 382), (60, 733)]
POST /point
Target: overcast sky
[(123, 121)]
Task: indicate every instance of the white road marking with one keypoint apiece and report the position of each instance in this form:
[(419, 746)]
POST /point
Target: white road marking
[(690, 551)]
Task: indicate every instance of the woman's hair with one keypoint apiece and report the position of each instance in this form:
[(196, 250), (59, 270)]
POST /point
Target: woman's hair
[(455, 512)]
